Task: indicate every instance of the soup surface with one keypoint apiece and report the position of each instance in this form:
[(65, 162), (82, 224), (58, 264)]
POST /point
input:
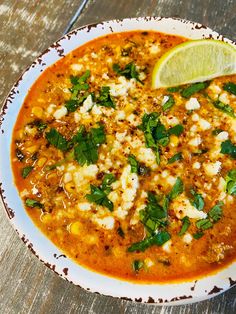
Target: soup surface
[(129, 181)]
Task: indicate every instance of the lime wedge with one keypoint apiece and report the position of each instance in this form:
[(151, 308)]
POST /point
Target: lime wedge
[(194, 61)]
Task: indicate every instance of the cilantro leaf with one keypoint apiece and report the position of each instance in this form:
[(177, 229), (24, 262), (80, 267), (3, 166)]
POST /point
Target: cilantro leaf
[(224, 108), (230, 87), (72, 104), (231, 182), (56, 139), (105, 99), (79, 84), (216, 212), (26, 171), (133, 163), (169, 103), (174, 89), (193, 88), (33, 203), (158, 239), (216, 132), (129, 71), (204, 224), (185, 225), (176, 157), (228, 148), (137, 265), (176, 130), (99, 197), (177, 189), (198, 235), (108, 179), (87, 144), (197, 201)]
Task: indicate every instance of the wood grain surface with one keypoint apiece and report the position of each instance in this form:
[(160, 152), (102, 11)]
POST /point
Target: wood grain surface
[(26, 29)]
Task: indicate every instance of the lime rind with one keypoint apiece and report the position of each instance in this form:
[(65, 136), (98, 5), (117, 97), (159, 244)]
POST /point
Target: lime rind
[(194, 61)]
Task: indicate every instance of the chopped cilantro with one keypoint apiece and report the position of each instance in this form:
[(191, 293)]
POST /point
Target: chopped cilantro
[(157, 239), (137, 265), (231, 182), (198, 235), (99, 194), (72, 104), (26, 171), (33, 203), (133, 163), (99, 197), (197, 201), (230, 87), (204, 224), (193, 88), (176, 157), (129, 71), (176, 130), (224, 108), (174, 89), (87, 144), (169, 103), (216, 212), (79, 84), (56, 139), (185, 225), (177, 189), (216, 132), (228, 148), (105, 99)]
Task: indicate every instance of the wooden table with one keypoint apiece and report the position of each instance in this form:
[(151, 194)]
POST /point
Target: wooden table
[(26, 29)]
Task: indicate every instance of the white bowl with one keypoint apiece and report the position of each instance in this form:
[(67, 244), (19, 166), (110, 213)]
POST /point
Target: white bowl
[(46, 251)]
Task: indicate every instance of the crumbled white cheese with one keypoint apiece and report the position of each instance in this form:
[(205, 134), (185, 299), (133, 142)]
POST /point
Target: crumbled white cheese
[(215, 88), (133, 119), (165, 99), (96, 110), (67, 177), (77, 117), (192, 104), (182, 207), (172, 120), (211, 169), (120, 115), (196, 165), (154, 48), (94, 55), (187, 238), (224, 98), (148, 262), (60, 112), (121, 212), (106, 222), (146, 156), (87, 104), (204, 124), (84, 206), (171, 180), (50, 109), (222, 184), (222, 136), (195, 117), (167, 246), (121, 136), (165, 173), (76, 67), (135, 219), (193, 128), (142, 76), (105, 76), (195, 141), (122, 88)]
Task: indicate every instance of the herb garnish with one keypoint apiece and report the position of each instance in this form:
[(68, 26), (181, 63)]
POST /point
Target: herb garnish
[(157, 239), (216, 132), (56, 139), (105, 99), (176, 157), (72, 104), (33, 203), (230, 87), (129, 71), (176, 190), (174, 89), (198, 235), (224, 108), (137, 167), (193, 88), (197, 201), (169, 103), (26, 171), (231, 182), (120, 232), (99, 194), (87, 144), (137, 265), (228, 148), (177, 130), (213, 216), (185, 225)]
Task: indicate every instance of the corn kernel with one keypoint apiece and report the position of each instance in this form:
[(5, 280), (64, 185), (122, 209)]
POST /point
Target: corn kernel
[(37, 111), (46, 218), (174, 140), (70, 187), (31, 149), (20, 134), (75, 228), (41, 161), (129, 108)]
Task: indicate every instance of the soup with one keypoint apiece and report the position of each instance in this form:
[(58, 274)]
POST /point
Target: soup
[(128, 181)]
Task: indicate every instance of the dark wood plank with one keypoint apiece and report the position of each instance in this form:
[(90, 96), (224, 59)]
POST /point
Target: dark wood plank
[(27, 28)]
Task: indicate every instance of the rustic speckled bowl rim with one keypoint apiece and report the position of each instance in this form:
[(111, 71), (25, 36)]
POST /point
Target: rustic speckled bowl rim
[(49, 254)]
